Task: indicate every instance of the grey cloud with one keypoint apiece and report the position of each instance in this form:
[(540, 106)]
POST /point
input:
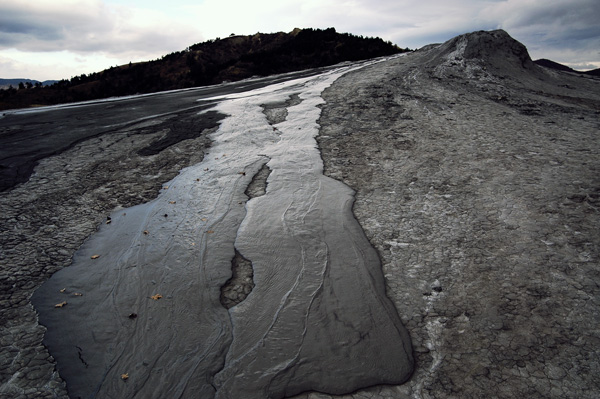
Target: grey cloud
[(582, 12), (17, 27), (87, 28), (12, 26), (33, 29), (544, 27), (582, 34), (557, 24), (583, 67)]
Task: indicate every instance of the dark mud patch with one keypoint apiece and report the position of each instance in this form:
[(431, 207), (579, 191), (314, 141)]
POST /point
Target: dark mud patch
[(277, 112), (241, 283), (179, 128), (258, 185)]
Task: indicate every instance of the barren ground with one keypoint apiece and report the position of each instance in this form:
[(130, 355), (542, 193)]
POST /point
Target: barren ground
[(478, 184)]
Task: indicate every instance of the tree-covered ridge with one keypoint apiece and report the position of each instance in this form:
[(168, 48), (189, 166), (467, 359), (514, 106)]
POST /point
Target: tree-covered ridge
[(211, 62)]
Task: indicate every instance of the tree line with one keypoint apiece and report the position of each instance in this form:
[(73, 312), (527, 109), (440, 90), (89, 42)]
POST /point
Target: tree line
[(210, 62)]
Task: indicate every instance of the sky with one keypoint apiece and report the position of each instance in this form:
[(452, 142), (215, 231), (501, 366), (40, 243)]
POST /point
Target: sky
[(59, 39)]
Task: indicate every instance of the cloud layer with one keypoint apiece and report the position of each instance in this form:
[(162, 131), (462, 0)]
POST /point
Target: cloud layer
[(90, 33), (87, 26)]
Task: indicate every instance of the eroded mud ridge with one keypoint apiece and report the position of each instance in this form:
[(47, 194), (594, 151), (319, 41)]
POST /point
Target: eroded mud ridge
[(247, 277), (477, 176)]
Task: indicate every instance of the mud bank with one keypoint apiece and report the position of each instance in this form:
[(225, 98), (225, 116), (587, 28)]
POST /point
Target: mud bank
[(477, 179)]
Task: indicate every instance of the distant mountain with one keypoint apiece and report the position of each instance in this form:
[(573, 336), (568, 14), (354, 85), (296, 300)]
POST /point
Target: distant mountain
[(211, 62), (594, 72), (6, 83), (555, 65)]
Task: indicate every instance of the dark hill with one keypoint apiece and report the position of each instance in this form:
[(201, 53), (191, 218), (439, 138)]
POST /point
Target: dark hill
[(560, 67), (554, 65), (594, 72), (7, 83), (211, 62)]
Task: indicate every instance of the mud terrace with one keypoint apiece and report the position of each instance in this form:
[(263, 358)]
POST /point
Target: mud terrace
[(477, 180)]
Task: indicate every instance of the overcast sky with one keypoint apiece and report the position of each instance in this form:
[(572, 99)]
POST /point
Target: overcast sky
[(56, 39)]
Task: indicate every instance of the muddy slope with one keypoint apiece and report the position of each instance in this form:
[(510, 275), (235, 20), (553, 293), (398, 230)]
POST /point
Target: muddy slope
[(477, 179)]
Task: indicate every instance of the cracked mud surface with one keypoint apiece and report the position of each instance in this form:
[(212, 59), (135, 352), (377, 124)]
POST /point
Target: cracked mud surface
[(46, 220), (480, 188), (237, 288)]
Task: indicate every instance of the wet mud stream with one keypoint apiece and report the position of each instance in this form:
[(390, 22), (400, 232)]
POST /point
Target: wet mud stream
[(255, 222)]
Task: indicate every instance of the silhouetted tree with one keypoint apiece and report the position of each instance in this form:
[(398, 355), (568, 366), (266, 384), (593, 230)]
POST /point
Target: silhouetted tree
[(212, 61)]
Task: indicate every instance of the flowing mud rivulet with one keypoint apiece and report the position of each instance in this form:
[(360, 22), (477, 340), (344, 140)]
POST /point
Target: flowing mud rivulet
[(140, 312)]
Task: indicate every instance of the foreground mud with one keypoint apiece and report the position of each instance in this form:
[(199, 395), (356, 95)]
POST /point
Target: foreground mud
[(47, 219), (141, 311)]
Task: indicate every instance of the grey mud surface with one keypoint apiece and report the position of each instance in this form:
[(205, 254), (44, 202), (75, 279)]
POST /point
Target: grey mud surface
[(47, 219), (141, 310), (477, 181)]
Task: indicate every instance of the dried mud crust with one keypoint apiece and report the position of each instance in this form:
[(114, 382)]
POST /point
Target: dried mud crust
[(485, 217), (46, 220)]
